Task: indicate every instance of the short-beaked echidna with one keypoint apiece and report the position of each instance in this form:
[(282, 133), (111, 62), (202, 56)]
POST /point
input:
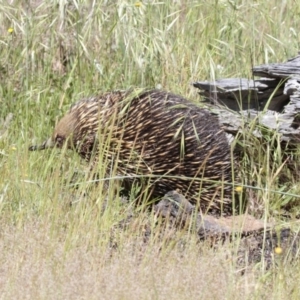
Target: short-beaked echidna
[(155, 134)]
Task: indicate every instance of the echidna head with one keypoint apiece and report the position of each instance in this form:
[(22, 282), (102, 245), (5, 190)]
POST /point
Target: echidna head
[(62, 133)]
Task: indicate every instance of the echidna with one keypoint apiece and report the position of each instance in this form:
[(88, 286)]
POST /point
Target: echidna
[(155, 134)]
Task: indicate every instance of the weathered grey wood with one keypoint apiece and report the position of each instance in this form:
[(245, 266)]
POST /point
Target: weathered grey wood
[(240, 94), (286, 124), (291, 68), (273, 103), (236, 84), (292, 87)]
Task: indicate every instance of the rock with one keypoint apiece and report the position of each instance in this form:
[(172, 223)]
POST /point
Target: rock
[(257, 240)]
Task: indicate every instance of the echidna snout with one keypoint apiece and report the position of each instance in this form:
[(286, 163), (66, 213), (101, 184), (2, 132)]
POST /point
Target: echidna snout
[(63, 132), (49, 143)]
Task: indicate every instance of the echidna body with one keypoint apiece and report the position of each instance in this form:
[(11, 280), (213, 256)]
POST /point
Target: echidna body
[(155, 134)]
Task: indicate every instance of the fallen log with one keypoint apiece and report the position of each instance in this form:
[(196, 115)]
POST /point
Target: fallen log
[(273, 102)]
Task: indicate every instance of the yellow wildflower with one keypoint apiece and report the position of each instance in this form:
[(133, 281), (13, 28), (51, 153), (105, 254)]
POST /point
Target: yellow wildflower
[(239, 189), (138, 4), (13, 148), (10, 30), (278, 250)]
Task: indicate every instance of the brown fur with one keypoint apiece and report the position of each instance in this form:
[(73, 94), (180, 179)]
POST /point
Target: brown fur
[(154, 133)]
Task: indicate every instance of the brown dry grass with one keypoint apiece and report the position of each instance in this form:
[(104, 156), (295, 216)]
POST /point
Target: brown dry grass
[(35, 264)]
